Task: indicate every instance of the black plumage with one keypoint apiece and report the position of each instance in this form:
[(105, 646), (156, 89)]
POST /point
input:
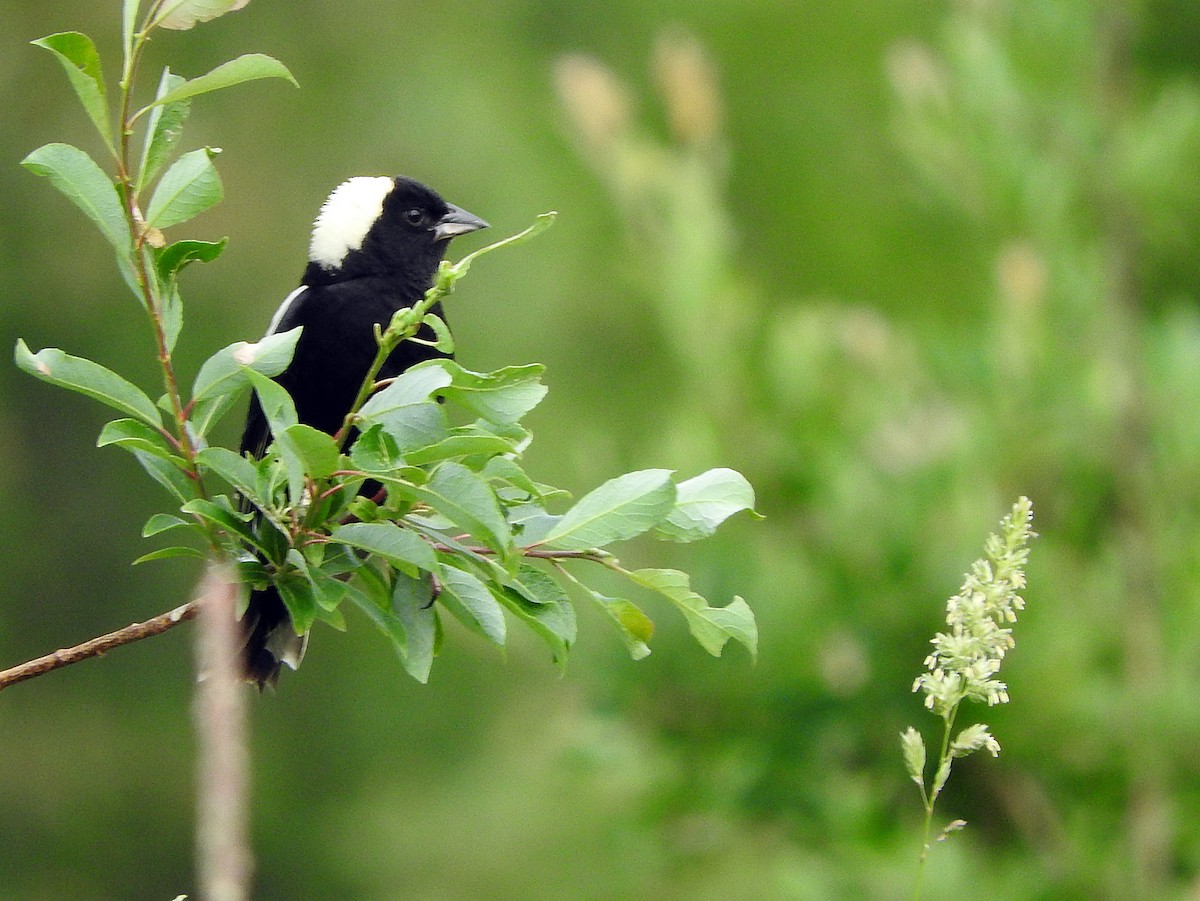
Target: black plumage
[(375, 249)]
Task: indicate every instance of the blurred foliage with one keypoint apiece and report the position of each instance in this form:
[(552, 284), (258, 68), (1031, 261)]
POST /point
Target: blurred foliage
[(898, 263)]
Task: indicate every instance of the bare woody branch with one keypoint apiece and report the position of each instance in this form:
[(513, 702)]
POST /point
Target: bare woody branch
[(98, 646)]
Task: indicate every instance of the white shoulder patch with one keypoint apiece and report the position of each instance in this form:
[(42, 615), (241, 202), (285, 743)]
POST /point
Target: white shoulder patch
[(283, 309), (346, 217)]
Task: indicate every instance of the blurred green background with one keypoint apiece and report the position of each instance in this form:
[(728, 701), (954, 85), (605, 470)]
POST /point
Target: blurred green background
[(898, 262)]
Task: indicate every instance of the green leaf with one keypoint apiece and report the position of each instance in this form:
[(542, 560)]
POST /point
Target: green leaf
[(461, 445), (712, 627), (472, 603), (163, 129), (224, 373), (413, 386), (551, 616), (459, 495), (329, 593), (161, 522), (619, 509), (81, 60), (180, 15), (133, 433), (77, 176), (169, 475), (88, 378), (187, 189), (175, 256), (635, 628), (443, 340), (530, 524), (233, 468), (416, 426), (503, 396), (172, 314), (508, 470), (221, 515), (297, 594), (387, 621), (313, 450), (226, 369), (704, 502), (413, 608), (250, 67), (276, 404), (376, 451), (399, 547), (166, 553)]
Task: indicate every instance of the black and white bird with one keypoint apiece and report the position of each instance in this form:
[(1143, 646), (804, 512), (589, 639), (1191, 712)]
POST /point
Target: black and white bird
[(375, 249)]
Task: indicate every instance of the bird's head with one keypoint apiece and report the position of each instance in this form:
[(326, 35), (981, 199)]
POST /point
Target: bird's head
[(380, 226)]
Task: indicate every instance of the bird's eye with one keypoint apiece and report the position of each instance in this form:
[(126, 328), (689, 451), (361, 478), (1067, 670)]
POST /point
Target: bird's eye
[(414, 216)]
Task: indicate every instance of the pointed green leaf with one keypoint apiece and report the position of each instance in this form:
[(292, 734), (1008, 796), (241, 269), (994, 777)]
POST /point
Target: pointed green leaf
[(413, 386), (376, 451), (276, 404), (81, 60), (621, 508), (186, 190), (172, 314), (704, 502), (225, 371), (443, 340), (161, 522), (167, 553), (506, 469), (412, 604), (313, 450), (416, 426), (399, 547), (297, 594), (329, 593), (250, 67), (462, 497), (169, 475), (77, 176), (220, 514), (636, 629), (472, 603), (712, 627), (180, 15), (387, 621), (82, 375), (551, 616), (163, 129), (503, 396), (133, 433), (233, 468), (461, 445), (175, 256)]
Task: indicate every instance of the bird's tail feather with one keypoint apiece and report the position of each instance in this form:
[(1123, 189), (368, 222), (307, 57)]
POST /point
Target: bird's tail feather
[(270, 641)]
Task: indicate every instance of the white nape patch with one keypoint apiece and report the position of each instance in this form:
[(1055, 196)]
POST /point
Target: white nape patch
[(283, 308), (346, 217)]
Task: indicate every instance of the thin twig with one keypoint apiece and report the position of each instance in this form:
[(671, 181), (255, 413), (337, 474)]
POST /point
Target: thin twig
[(98, 646)]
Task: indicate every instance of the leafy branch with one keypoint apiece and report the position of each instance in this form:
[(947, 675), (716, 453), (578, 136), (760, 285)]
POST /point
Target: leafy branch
[(453, 526)]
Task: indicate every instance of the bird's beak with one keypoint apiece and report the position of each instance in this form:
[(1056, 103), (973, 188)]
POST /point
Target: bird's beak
[(457, 221)]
